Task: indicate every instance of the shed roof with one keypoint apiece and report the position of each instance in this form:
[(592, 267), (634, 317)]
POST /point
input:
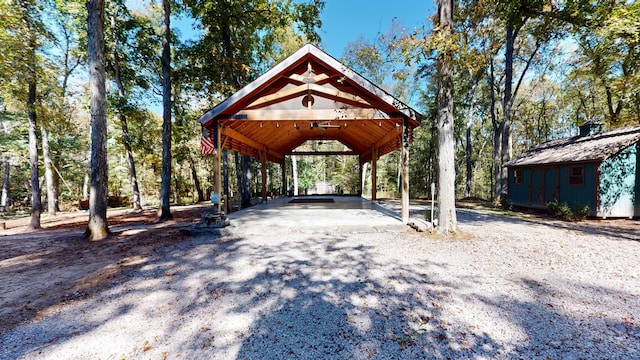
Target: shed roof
[(311, 96), (593, 148)]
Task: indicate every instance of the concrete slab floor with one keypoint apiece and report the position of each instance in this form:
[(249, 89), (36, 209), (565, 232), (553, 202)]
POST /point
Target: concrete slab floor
[(346, 213)]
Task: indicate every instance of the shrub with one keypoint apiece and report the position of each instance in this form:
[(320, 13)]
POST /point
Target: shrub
[(564, 212), (506, 204), (580, 212)]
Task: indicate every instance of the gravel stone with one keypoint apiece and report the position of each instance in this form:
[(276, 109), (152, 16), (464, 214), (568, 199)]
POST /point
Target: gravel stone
[(508, 288)]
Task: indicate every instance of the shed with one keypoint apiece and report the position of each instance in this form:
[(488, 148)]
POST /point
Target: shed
[(312, 96), (595, 168)]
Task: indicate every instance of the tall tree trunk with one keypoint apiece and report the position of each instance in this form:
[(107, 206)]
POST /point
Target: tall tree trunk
[(614, 113), (165, 190), (196, 181), (447, 220), (4, 198), (137, 205), (497, 132), (245, 192), (363, 183), (85, 186), (30, 44), (507, 105), (52, 198), (55, 164), (4, 201), (97, 228), (468, 144), (468, 160), (294, 166), (637, 106)]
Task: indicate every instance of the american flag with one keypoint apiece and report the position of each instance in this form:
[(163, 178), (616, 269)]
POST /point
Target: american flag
[(206, 146)]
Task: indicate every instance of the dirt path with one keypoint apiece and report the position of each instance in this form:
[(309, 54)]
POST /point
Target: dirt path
[(41, 270)]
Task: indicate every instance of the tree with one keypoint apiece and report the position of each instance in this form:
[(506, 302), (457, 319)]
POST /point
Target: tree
[(165, 191), (97, 229), (239, 41), (121, 109), (28, 13), (447, 221)]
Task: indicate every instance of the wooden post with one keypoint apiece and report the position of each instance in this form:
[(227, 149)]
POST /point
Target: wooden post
[(263, 160), (405, 171), (284, 177), (374, 173), (217, 184), (361, 175)]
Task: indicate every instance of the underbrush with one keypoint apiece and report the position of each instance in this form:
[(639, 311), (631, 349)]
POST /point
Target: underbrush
[(563, 211)]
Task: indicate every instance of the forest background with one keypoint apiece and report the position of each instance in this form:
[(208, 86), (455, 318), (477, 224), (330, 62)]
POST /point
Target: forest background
[(524, 72)]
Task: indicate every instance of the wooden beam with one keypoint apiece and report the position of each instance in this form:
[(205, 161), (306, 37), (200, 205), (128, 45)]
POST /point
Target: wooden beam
[(314, 78), (316, 89), (391, 135), (329, 153), (281, 95), (336, 94), (226, 131), (312, 114)]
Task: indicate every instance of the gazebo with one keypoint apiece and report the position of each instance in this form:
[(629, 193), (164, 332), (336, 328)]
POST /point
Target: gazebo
[(312, 96)]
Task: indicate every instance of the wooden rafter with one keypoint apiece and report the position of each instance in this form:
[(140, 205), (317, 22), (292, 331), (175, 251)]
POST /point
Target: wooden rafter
[(315, 89)]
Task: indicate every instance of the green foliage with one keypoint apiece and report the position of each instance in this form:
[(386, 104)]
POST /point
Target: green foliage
[(585, 57), (580, 212), (563, 211), (240, 38), (558, 209), (506, 204)]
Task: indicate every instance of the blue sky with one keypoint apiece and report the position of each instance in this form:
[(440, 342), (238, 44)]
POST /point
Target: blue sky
[(343, 21)]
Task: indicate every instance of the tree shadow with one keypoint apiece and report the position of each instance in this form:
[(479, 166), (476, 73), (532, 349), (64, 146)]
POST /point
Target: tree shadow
[(52, 267), (572, 321), (302, 295), (609, 228)]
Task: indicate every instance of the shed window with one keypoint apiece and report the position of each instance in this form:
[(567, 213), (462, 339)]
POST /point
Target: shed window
[(576, 175), (517, 177)]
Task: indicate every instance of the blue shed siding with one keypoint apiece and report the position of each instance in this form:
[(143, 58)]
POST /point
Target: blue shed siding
[(619, 185), (575, 195), (543, 184), (519, 193)]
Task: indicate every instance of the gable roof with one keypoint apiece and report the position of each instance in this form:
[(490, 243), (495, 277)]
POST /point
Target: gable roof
[(593, 148), (311, 96)]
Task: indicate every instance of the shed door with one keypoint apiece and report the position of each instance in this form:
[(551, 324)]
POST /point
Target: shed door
[(545, 185)]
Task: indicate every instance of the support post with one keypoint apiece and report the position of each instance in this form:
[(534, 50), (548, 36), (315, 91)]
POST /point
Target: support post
[(374, 173), (361, 175), (225, 180), (405, 171), (263, 161), (284, 177), (216, 164)]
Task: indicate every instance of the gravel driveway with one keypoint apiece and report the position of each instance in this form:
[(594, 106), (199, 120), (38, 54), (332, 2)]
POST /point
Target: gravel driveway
[(506, 289)]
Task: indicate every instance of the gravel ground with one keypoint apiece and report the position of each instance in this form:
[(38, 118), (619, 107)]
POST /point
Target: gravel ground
[(506, 289)]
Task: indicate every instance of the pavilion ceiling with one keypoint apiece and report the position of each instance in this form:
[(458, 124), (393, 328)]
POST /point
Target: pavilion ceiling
[(310, 96)]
